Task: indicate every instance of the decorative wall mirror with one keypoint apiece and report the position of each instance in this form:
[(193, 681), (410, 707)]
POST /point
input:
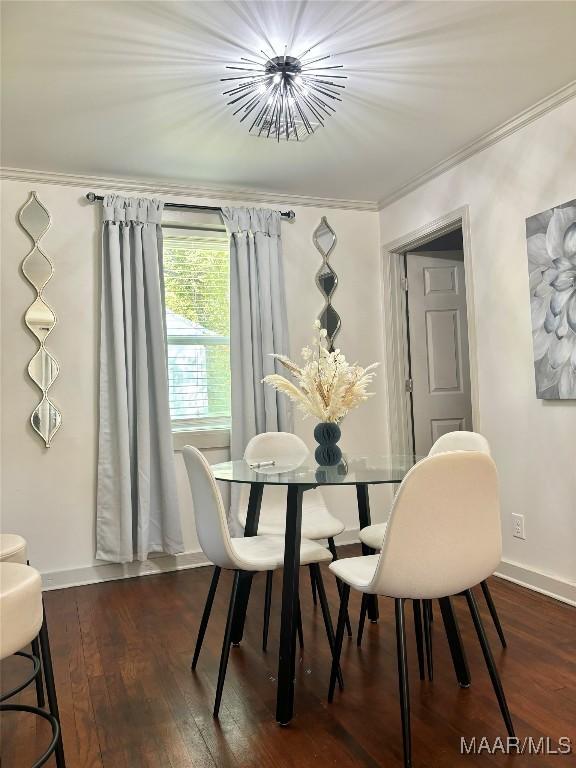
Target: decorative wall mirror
[(327, 280), (40, 318)]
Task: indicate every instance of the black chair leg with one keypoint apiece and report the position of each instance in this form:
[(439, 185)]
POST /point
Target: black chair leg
[(334, 553), (427, 607), (419, 636), (39, 684), (403, 681), (457, 652), (206, 615), (362, 620), (493, 612), (339, 639), (51, 688), (489, 659), (313, 585), (226, 644), (299, 625), (267, 604), (319, 584)]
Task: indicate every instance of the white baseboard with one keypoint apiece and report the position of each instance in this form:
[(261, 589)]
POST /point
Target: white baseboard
[(100, 572), (552, 586), (94, 574)]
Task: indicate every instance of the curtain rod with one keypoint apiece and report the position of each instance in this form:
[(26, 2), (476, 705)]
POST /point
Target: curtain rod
[(91, 197)]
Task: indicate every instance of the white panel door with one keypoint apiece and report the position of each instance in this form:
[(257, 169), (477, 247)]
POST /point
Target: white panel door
[(438, 331)]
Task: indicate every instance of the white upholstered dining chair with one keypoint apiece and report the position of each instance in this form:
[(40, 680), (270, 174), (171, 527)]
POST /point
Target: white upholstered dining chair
[(432, 551), (373, 536), (246, 554), (318, 523)]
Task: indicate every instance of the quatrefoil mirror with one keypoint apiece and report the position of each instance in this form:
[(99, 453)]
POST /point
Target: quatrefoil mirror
[(37, 268), (327, 280)]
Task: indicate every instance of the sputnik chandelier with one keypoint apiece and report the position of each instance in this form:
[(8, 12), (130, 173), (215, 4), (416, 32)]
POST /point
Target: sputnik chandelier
[(284, 97)]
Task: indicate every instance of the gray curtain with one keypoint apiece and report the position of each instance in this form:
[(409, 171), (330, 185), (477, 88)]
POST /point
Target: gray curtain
[(258, 323), (137, 509)]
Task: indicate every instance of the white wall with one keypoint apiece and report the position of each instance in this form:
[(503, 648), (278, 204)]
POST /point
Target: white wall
[(49, 495), (534, 442)]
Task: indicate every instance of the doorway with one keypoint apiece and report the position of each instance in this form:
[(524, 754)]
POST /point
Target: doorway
[(430, 335), (437, 338)]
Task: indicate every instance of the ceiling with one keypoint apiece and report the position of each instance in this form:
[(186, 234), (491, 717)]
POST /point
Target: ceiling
[(131, 89)]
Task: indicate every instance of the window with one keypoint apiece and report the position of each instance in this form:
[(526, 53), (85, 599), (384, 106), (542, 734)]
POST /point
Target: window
[(197, 277)]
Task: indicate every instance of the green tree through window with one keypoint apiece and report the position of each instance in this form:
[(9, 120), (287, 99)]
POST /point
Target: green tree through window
[(197, 278)]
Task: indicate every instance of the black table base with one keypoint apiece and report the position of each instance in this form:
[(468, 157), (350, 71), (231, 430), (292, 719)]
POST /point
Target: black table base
[(290, 592), (365, 520), (361, 473), (245, 582), (290, 586)]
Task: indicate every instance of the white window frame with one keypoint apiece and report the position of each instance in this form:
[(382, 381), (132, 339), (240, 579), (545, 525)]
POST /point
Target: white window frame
[(202, 433)]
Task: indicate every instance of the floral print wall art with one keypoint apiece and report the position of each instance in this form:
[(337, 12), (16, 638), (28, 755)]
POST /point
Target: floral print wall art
[(551, 242)]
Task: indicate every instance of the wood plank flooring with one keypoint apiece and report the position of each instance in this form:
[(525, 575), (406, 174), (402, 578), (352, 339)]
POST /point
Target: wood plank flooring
[(122, 654)]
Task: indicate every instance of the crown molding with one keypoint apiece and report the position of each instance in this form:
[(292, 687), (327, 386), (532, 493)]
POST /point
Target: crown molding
[(243, 195), (157, 187), (488, 139)]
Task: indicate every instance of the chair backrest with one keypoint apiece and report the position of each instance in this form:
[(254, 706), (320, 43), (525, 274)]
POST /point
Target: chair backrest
[(211, 524), (431, 549), (460, 441), (284, 448)]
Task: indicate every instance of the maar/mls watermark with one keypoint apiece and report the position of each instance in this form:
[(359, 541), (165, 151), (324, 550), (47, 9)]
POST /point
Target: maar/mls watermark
[(512, 745)]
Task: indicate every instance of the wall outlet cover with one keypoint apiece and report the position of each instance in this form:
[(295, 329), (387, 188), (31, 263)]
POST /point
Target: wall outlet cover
[(518, 530)]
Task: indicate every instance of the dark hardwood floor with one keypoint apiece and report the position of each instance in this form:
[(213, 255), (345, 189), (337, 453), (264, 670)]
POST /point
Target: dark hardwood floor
[(122, 654)]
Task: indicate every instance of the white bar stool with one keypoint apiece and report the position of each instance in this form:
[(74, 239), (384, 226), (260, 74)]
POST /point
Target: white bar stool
[(14, 549), (22, 620)]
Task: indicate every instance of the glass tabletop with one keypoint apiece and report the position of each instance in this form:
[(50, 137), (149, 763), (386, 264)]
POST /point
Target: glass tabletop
[(369, 470)]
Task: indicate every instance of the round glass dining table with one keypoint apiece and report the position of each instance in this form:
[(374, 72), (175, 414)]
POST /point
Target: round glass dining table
[(358, 471)]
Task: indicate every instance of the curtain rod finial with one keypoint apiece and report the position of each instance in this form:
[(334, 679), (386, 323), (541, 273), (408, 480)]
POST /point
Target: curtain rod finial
[(91, 197)]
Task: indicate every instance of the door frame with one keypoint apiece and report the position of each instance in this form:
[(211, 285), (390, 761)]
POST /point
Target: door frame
[(395, 326)]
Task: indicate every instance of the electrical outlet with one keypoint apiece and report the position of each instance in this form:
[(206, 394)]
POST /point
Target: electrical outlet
[(518, 527)]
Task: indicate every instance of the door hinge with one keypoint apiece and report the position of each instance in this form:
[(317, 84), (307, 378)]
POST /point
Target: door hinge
[(409, 385), (404, 283)]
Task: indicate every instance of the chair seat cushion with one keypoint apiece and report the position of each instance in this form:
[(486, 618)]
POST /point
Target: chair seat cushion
[(20, 607), (373, 535), (358, 572), (13, 549), (266, 553), (317, 521)]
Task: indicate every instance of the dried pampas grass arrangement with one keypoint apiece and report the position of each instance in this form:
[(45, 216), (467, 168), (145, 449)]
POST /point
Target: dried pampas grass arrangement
[(327, 386)]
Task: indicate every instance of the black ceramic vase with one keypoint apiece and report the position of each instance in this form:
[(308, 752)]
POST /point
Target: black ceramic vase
[(327, 434)]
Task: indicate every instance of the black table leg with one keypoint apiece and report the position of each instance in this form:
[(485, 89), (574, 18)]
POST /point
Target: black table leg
[(287, 657), (364, 519), (455, 642), (245, 579)]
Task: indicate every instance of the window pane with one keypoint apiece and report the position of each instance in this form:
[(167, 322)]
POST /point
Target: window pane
[(196, 275)]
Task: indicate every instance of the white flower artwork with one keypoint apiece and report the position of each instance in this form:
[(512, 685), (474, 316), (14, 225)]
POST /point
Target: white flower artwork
[(551, 242)]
